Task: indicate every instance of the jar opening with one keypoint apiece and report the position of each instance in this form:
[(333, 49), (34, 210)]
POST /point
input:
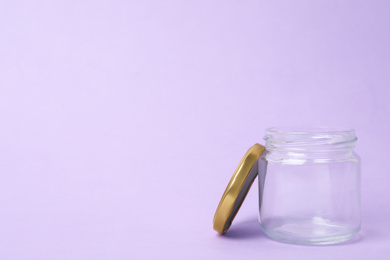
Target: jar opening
[(318, 138)]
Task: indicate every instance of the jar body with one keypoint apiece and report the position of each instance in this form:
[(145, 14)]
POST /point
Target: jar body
[(309, 190)]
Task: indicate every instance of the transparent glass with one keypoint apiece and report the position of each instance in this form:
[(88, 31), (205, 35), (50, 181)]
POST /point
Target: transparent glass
[(309, 185)]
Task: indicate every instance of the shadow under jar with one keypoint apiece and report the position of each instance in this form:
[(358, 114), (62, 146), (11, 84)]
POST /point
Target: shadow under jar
[(309, 185)]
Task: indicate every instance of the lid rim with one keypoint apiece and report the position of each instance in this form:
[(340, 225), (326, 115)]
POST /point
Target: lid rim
[(228, 207)]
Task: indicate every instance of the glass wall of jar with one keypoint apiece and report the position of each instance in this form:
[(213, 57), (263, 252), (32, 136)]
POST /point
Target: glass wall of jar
[(309, 189)]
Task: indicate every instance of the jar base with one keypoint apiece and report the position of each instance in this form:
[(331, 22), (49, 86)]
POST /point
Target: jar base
[(317, 231)]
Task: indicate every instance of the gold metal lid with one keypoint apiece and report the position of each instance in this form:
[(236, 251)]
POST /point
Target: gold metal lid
[(237, 189)]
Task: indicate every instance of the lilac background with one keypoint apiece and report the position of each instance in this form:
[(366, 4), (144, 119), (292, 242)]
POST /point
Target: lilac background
[(122, 121)]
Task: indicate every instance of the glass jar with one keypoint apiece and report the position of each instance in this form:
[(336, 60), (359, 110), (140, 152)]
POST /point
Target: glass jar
[(309, 185)]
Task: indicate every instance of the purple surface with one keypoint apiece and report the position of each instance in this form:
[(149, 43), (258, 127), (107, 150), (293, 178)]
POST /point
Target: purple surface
[(122, 121)]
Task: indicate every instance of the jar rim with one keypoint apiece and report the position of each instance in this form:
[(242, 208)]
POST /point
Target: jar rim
[(305, 130), (305, 137)]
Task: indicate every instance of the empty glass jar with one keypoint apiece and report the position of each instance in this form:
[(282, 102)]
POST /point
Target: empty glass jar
[(309, 185)]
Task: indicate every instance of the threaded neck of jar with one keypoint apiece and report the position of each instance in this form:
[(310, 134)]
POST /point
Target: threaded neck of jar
[(309, 138)]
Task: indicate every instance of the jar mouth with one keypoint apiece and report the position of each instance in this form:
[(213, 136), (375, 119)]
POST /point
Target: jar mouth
[(304, 130), (306, 137)]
